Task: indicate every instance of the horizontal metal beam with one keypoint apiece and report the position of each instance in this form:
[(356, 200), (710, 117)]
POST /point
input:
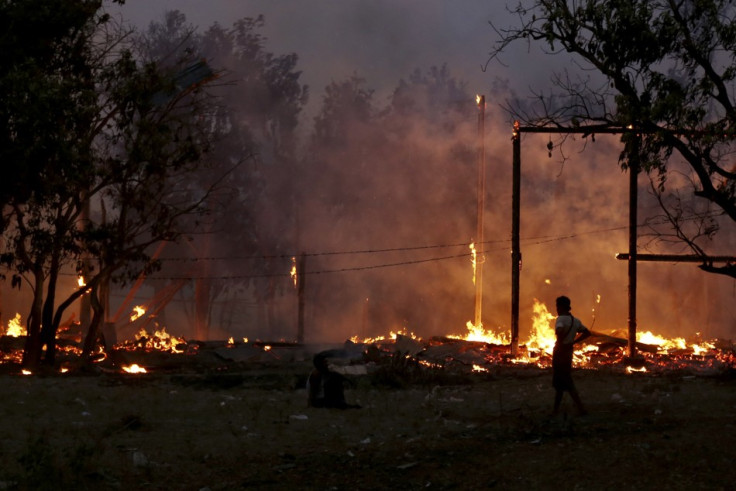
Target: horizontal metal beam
[(678, 258)]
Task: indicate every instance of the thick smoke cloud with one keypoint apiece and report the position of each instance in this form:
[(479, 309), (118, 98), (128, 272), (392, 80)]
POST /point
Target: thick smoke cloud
[(574, 210)]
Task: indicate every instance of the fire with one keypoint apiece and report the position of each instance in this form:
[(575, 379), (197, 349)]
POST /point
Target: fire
[(159, 340), (473, 259), (478, 333), (134, 368), (542, 338), (81, 282), (601, 349), (138, 311), (392, 336), (15, 327), (293, 270)]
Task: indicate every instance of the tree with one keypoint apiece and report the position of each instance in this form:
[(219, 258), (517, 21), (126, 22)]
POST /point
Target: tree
[(130, 128), (665, 67), (254, 160), (383, 181)]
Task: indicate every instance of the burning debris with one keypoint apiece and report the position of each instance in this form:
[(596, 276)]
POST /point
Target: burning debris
[(477, 351)]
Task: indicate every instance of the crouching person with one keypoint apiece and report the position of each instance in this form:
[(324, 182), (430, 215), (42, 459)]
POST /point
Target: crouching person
[(326, 388)]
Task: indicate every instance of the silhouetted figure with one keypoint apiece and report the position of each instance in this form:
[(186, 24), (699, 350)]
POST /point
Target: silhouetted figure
[(326, 388), (568, 332)]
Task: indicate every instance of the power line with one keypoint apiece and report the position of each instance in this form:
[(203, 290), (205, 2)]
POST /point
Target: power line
[(538, 240)]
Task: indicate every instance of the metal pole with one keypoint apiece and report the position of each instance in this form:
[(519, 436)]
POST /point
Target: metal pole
[(300, 294), (481, 99), (633, 225), (515, 247)]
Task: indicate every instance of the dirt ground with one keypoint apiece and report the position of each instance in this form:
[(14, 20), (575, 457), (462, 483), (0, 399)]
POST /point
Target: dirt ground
[(251, 429)]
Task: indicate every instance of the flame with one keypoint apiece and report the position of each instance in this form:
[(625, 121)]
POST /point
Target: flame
[(473, 259), (138, 311), (478, 333), (81, 282), (26, 372), (231, 341), (632, 369), (542, 336), (159, 340), (392, 336), (134, 368), (15, 327), (293, 271)]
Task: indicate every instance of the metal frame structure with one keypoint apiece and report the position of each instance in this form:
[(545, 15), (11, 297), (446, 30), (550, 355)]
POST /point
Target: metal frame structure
[(632, 257)]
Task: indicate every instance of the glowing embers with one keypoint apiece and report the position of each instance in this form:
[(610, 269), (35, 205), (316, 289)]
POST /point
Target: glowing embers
[(393, 336), (134, 368), (481, 348), (159, 340)]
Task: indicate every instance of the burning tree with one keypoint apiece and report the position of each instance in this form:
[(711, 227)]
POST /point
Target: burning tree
[(663, 67), (130, 130)]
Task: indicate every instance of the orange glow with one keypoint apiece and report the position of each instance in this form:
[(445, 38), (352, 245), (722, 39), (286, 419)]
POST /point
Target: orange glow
[(138, 311), (392, 336), (159, 340), (15, 327), (473, 259), (293, 270), (134, 368)]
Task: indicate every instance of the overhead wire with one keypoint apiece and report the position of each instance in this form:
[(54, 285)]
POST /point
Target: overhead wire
[(528, 241)]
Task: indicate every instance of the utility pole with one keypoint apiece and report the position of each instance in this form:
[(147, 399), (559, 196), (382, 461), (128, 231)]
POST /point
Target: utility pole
[(633, 235), (481, 100), (515, 243)]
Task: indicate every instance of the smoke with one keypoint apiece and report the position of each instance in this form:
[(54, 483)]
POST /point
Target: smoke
[(385, 227)]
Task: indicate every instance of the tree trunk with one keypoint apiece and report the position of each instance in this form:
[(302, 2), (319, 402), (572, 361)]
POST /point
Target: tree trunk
[(48, 330), (93, 333), (32, 349)]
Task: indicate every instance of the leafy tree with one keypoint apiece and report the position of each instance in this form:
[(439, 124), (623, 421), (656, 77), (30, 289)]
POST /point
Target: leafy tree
[(254, 124), (129, 131), (666, 67)]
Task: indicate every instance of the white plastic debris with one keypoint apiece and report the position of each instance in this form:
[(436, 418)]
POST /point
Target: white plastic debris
[(299, 417)]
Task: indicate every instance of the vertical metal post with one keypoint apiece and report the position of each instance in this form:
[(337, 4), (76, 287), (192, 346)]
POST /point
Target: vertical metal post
[(633, 225), (481, 99), (300, 293), (515, 247)]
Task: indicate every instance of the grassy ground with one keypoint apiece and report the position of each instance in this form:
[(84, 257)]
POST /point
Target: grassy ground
[(251, 429)]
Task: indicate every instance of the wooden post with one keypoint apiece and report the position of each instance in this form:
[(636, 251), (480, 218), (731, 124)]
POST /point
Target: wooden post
[(84, 301), (515, 247), (633, 225), (300, 293), (481, 205)]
